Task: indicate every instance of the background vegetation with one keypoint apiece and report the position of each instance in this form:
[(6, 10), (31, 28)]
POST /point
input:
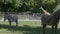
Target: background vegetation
[(27, 5)]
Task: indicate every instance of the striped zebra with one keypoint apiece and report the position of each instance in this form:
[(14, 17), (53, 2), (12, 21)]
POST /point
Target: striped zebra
[(10, 18), (52, 20)]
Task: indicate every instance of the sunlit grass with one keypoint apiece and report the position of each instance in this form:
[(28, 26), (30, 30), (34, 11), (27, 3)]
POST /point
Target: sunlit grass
[(24, 27)]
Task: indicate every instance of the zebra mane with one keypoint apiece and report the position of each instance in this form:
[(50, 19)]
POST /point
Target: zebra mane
[(56, 12)]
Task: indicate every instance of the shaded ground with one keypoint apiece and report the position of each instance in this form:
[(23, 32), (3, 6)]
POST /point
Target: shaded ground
[(28, 28)]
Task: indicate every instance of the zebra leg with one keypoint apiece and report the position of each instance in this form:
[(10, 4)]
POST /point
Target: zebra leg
[(4, 19), (10, 23), (52, 29), (56, 29), (44, 26), (16, 23)]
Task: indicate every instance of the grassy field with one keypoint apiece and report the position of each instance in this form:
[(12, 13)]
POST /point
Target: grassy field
[(24, 27)]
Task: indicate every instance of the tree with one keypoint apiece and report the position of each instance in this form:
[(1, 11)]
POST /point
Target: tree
[(26, 5)]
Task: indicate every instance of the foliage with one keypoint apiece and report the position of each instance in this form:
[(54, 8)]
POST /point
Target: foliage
[(26, 5)]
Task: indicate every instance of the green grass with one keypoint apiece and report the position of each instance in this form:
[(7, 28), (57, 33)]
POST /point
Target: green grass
[(25, 27)]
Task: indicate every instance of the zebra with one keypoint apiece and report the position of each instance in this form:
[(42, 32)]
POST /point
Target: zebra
[(10, 18), (52, 20)]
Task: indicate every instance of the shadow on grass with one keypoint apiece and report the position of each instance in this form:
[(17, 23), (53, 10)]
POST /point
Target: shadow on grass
[(27, 29)]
